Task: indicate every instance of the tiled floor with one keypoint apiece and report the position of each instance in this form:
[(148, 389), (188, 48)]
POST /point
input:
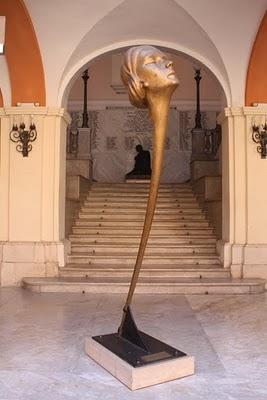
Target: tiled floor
[(42, 345)]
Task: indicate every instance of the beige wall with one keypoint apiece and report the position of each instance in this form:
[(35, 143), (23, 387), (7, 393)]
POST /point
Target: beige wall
[(32, 194), (34, 186), (32, 190), (244, 194)]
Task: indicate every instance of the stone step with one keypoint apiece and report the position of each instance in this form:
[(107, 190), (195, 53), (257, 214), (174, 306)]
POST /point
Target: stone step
[(128, 203), (135, 240), (138, 185), (106, 237), (134, 230), (136, 210), (187, 271), (146, 285), (140, 197), (130, 249), (124, 216), (141, 202), (129, 260), (133, 223), (139, 206), (143, 193)]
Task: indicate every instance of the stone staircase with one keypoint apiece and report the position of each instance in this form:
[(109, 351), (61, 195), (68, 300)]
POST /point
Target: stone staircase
[(107, 233), (180, 256)]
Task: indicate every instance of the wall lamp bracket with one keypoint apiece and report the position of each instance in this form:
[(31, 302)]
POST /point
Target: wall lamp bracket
[(23, 137), (259, 136)]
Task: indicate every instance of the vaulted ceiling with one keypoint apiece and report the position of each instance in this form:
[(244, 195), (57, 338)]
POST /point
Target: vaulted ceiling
[(219, 34)]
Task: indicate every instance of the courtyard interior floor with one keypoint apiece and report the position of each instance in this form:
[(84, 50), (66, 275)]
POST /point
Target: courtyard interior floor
[(42, 340)]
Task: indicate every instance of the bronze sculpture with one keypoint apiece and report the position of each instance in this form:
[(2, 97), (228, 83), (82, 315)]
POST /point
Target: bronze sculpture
[(151, 80)]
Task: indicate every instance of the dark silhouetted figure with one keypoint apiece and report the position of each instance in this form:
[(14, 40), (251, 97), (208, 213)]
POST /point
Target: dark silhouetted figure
[(142, 165)]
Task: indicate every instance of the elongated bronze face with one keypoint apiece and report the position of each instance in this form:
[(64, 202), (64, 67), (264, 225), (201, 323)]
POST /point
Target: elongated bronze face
[(146, 70), (155, 70), (150, 79)]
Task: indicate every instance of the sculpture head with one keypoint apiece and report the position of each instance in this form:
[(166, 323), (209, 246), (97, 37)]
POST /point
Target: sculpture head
[(139, 148), (147, 70)]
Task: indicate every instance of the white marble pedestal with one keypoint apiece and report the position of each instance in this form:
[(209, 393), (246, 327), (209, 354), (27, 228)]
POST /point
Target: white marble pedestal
[(140, 377)]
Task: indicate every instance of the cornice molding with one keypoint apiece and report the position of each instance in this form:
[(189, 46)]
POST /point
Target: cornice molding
[(259, 110), (35, 111), (182, 105)]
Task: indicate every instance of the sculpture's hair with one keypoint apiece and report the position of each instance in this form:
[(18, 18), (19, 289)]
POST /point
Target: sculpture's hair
[(136, 91)]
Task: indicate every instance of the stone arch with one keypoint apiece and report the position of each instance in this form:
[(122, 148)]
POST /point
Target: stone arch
[(256, 77), (23, 55), (5, 82), (183, 34), (76, 70)]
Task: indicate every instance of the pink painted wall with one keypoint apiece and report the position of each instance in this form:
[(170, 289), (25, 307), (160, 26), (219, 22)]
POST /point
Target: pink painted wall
[(100, 72)]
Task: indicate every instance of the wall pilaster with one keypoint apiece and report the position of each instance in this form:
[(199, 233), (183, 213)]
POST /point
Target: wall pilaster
[(32, 194), (244, 193)]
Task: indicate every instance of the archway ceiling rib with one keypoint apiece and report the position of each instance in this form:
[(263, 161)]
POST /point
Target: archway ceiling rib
[(232, 26), (5, 81), (256, 84), (223, 28), (60, 25), (26, 79), (139, 21)]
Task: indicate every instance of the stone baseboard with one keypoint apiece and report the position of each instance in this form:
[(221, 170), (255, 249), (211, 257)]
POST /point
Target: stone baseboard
[(245, 260), (35, 259)]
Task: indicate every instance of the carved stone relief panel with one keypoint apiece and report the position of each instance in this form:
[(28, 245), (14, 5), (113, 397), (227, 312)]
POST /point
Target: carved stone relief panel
[(114, 133)]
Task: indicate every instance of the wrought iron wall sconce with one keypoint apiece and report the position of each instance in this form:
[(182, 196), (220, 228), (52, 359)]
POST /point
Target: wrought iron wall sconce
[(259, 136), (23, 138)]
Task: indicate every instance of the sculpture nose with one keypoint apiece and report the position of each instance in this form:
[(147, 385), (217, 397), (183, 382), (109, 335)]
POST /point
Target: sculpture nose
[(169, 64)]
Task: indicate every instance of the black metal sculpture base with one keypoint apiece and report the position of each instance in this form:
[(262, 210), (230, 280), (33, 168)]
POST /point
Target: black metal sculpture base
[(136, 347)]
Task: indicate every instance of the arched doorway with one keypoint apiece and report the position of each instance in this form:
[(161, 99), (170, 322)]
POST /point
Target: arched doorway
[(172, 26), (115, 128)]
